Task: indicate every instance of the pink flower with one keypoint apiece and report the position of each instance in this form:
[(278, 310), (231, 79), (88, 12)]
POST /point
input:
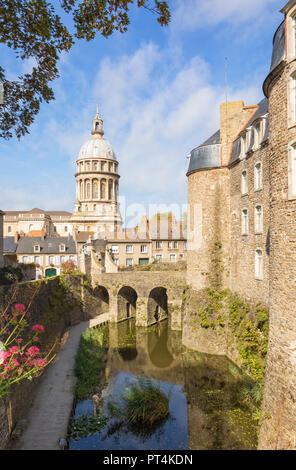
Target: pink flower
[(19, 340), (32, 351), (15, 362), (14, 349), (36, 338), (18, 309), (38, 328), (5, 354), (39, 362)]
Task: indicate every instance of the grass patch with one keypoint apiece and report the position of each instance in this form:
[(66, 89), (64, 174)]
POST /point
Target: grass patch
[(146, 404), (90, 362)]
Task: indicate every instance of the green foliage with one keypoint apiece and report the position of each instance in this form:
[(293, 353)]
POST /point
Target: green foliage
[(251, 331), (145, 403), (33, 29), (86, 425), (90, 362), (9, 275)]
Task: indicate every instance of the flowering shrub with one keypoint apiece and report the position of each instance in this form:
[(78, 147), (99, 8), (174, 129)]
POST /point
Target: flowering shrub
[(68, 267), (20, 357)]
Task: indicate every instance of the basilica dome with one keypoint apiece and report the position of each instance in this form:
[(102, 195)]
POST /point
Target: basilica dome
[(97, 147)]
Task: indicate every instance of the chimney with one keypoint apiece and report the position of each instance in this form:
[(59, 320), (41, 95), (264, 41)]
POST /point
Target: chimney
[(233, 117), (43, 234), (16, 237)]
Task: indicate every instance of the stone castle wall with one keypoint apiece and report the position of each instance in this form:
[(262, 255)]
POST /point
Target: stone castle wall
[(243, 247), (278, 430)]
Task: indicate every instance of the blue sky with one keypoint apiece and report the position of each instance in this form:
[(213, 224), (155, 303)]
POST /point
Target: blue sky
[(158, 90)]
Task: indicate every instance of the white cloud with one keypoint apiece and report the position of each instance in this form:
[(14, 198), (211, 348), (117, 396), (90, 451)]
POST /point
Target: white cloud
[(156, 110), (192, 14)]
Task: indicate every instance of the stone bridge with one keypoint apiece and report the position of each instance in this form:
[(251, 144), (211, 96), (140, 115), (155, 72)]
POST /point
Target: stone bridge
[(149, 296)]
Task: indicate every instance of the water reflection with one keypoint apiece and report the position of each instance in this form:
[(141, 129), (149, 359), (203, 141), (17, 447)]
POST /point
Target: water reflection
[(203, 392)]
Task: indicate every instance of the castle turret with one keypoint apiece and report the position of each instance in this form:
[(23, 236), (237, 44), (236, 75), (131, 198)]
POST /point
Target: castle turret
[(279, 406)]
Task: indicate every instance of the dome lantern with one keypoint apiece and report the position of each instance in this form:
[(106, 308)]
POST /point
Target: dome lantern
[(97, 124)]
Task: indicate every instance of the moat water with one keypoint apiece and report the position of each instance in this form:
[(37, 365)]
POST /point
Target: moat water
[(204, 392)]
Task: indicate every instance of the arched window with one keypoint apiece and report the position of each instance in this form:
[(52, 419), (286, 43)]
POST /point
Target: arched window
[(259, 264), (103, 189), (95, 189), (245, 222), (258, 219), (116, 191), (258, 176), (244, 186), (88, 190), (110, 189)]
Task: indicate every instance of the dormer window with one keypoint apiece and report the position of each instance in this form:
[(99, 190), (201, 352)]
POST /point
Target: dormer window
[(62, 248), (36, 248), (244, 145), (257, 134)]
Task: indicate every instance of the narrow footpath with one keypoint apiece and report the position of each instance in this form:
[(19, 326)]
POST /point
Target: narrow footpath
[(49, 416)]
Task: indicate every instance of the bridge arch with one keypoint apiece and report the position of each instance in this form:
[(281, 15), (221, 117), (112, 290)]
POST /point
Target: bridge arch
[(157, 305), (101, 293), (126, 303)]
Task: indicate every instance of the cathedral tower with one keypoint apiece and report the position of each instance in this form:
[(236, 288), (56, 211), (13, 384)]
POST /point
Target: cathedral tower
[(96, 206)]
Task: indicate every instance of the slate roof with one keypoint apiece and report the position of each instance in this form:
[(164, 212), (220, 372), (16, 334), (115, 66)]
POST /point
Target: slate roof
[(49, 245), (236, 147), (9, 246)]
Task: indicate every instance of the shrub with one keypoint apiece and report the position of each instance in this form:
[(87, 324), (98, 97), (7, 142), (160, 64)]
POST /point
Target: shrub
[(145, 403)]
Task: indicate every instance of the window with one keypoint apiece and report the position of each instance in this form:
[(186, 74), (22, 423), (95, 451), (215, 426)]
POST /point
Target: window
[(259, 264), (244, 183), (9, 229), (115, 261), (129, 248), (25, 259), (37, 260), (170, 245), (245, 222), (244, 144), (294, 36), (62, 248), (36, 249), (158, 258), (143, 248), (158, 245), (257, 134), (66, 229), (172, 258), (51, 260), (258, 219), (114, 248), (129, 261), (292, 172), (63, 259), (258, 176), (175, 245), (185, 245), (181, 255)]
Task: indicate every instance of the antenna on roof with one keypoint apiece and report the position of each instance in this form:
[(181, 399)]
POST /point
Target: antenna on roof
[(226, 80)]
